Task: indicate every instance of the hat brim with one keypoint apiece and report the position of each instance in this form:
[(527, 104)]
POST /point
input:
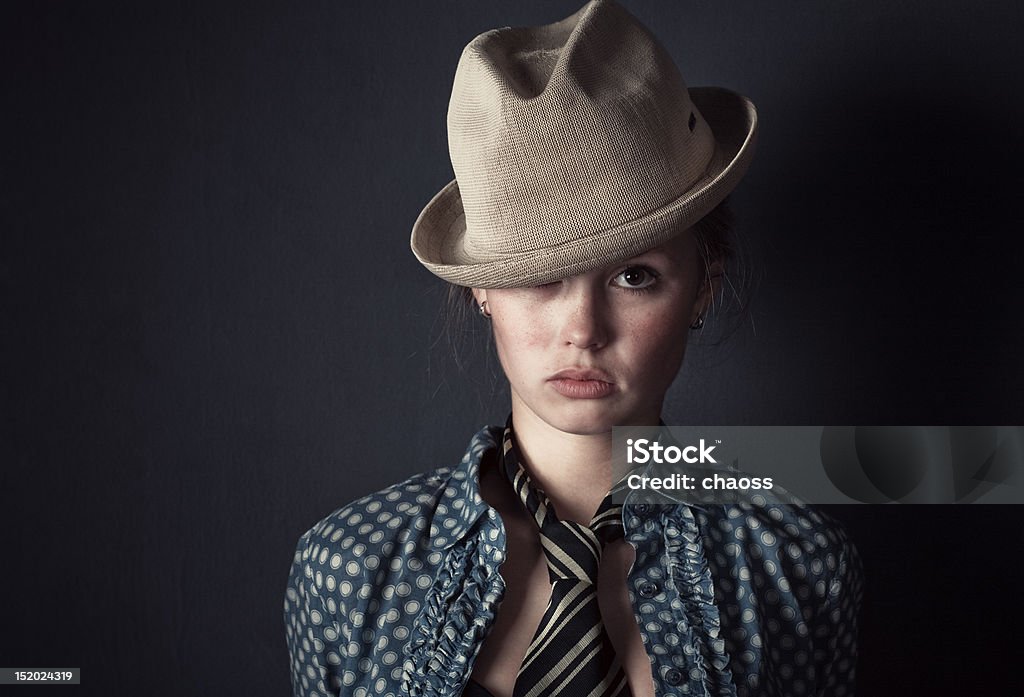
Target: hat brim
[(439, 232)]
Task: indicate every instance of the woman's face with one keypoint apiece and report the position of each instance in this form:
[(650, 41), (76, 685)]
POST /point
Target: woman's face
[(600, 349)]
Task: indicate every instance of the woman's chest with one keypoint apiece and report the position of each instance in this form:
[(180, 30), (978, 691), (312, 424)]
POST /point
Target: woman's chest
[(523, 609)]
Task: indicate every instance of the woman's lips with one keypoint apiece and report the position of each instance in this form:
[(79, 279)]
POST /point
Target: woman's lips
[(582, 384)]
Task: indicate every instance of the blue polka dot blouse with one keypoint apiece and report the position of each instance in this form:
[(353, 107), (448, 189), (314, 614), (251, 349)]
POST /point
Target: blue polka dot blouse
[(394, 593)]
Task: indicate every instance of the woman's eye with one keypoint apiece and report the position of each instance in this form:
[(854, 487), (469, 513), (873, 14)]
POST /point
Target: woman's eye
[(636, 278)]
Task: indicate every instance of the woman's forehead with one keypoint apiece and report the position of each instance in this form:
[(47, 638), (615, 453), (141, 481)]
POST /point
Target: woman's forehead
[(679, 251)]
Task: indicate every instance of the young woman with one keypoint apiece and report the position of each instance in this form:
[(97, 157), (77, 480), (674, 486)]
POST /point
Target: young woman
[(586, 223)]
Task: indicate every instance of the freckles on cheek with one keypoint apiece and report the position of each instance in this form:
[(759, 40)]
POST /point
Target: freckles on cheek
[(661, 337), (521, 345), (516, 335), (521, 325)]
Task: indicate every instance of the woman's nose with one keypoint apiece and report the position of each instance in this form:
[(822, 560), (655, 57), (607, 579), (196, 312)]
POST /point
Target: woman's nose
[(586, 318)]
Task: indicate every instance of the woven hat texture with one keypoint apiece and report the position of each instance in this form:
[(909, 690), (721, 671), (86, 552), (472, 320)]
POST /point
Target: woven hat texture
[(575, 145)]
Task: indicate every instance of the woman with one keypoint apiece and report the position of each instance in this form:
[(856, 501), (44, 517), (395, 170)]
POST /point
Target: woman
[(586, 223)]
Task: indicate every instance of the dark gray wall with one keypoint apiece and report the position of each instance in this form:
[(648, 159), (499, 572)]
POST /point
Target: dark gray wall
[(214, 332)]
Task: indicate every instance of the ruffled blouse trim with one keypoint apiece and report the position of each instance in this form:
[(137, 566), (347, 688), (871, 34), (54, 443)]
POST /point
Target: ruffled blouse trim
[(453, 622), (692, 577)]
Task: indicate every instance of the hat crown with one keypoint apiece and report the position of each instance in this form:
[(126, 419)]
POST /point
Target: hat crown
[(557, 133)]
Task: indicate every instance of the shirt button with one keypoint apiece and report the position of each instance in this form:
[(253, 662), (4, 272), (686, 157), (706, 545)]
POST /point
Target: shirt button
[(673, 676), (648, 589)]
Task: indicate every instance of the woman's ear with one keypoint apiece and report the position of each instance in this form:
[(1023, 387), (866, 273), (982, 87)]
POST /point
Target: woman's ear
[(480, 295)]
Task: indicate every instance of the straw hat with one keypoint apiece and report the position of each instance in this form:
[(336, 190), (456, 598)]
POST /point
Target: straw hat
[(575, 145)]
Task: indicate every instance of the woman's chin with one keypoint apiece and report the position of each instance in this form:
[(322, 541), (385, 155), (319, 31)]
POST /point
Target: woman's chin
[(590, 417)]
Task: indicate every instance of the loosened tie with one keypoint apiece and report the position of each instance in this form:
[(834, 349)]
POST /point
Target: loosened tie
[(570, 655)]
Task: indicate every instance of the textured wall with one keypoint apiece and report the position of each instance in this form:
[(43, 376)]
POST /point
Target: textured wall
[(214, 332)]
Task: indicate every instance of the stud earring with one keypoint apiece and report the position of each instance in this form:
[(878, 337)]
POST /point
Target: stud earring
[(484, 311), (698, 323)]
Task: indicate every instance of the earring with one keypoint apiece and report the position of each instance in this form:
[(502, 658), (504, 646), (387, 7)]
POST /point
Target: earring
[(698, 323), (484, 311)]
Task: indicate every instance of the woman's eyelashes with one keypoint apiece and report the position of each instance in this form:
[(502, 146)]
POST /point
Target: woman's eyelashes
[(636, 279)]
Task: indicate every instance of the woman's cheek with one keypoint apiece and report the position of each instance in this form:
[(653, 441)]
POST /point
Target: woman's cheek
[(517, 349), (661, 339)]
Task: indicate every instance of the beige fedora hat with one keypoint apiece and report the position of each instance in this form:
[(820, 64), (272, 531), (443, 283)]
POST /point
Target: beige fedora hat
[(575, 145)]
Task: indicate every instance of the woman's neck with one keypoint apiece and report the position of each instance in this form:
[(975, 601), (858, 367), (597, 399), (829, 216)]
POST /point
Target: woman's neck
[(575, 471)]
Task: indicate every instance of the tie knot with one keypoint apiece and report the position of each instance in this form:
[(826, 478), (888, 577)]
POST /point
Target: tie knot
[(607, 522), (573, 551)]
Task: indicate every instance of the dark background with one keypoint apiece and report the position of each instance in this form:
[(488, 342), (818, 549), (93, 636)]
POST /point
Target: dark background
[(214, 332)]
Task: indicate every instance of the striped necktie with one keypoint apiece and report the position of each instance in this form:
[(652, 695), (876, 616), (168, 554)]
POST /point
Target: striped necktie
[(570, 655)]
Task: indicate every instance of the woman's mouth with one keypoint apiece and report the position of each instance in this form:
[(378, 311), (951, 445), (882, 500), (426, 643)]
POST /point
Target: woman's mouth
[(585, 383)]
